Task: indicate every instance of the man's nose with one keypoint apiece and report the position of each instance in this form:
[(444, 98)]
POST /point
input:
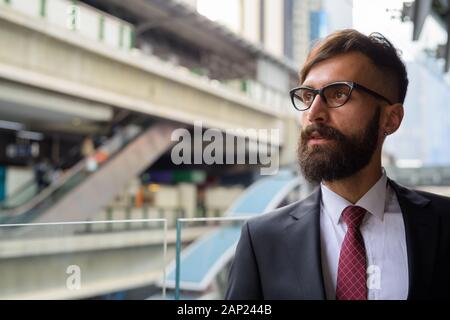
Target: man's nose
[(318, 112)]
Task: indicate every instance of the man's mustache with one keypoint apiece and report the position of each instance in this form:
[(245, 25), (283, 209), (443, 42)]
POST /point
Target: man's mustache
[(324, 132)]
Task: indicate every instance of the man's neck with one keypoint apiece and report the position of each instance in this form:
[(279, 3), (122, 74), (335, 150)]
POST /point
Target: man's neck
[(355, 187)]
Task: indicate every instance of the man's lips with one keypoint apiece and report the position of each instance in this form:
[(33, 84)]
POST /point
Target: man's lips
[(316, 138)]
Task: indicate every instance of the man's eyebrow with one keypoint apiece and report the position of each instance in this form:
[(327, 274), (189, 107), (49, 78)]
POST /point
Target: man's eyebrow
[(305, 84)]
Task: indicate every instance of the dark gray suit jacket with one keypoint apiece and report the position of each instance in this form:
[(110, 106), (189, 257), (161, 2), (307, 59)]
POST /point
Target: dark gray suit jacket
[(278, 255)]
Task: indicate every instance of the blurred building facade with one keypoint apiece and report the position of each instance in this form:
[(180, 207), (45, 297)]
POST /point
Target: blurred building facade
[(286, 28), (421, 140)]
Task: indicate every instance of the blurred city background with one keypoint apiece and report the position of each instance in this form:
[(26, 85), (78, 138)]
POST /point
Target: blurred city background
[(91, 92)]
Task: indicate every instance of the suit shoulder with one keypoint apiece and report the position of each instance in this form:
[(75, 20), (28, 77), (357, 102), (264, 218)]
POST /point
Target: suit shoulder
[(433, 195), (439, 202), (433, 202), (438, 198), (274, 219)]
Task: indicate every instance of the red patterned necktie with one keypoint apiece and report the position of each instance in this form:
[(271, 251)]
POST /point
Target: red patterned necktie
[(351, 277)]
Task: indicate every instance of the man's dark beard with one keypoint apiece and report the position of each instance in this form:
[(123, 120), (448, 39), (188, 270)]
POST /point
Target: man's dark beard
[(340, 158)]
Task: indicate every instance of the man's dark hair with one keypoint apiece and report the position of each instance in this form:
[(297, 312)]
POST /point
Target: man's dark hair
[(375, 46)]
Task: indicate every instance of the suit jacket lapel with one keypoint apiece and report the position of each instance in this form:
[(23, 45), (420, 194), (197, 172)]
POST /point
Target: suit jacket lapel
[(421, 228), (302, 238)]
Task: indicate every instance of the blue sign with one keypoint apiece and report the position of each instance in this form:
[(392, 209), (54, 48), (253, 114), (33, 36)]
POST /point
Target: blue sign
[(2, 183)]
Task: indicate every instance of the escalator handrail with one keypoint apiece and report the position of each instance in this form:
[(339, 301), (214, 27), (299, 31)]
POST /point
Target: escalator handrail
[(47, 191), (28, 184)]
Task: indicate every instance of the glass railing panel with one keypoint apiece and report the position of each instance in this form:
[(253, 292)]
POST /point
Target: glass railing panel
[(123, 259), (202, 262)]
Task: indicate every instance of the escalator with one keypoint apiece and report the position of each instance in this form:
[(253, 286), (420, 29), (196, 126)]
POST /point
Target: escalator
[(81, 192), (30, 188)]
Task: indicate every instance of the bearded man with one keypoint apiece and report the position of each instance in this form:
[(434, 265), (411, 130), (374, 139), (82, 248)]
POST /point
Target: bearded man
[(359, 235)]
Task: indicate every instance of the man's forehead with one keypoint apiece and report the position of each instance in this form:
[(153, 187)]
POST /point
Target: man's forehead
[(345, 67)]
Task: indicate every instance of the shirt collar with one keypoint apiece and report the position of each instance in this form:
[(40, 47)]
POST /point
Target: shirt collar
[(373, 200)]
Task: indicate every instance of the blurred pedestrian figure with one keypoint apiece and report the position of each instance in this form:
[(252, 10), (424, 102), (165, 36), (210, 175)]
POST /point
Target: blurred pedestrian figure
[(87, 147), (88, 152), (42, 174)]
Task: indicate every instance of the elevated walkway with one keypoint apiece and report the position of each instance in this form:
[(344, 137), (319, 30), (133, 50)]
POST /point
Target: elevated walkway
[(78, 71)]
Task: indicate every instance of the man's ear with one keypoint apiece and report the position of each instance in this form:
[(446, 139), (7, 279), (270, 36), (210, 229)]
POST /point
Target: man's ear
[(392, 117)]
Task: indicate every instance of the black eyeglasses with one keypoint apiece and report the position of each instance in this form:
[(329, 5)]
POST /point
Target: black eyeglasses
[(335, 94)]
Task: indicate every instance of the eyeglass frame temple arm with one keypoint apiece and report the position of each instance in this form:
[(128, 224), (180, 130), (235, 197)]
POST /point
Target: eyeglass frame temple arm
[(358, 86)]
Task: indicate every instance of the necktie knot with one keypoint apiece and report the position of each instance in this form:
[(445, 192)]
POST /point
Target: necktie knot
[(353, 216)]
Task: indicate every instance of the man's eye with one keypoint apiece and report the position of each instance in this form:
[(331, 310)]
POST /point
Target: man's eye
[(340, 95), (307, 96)]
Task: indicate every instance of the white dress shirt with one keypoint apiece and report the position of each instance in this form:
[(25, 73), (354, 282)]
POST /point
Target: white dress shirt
[(383, 231)]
